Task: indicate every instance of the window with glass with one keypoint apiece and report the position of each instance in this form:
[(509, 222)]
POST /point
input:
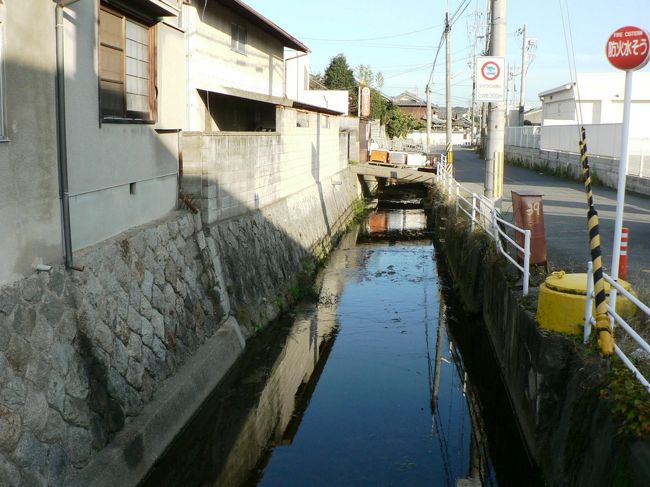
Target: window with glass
[(126, 68), (238, 38)]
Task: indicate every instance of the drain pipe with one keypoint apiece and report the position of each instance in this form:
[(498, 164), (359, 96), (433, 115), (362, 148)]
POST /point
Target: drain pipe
[(64, 194)]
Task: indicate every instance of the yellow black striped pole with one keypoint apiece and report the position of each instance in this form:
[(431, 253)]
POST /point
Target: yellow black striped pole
[(605, 338), (450, 154)]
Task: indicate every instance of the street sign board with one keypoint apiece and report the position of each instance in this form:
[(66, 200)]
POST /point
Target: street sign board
[(628, 48), (365, 101), (490, 78)]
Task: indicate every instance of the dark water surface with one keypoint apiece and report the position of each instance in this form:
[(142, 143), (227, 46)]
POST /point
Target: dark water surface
[(366, 387)]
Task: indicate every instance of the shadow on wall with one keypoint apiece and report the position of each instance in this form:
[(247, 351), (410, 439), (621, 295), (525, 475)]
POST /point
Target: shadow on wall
[(82, 353), (228, 437)]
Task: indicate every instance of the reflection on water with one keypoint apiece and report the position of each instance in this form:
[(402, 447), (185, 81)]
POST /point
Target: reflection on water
[(363, 387), (384, 222)]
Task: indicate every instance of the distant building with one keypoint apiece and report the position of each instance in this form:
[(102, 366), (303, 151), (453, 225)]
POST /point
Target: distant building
[(598, 97), (533, 116), (412, 104)]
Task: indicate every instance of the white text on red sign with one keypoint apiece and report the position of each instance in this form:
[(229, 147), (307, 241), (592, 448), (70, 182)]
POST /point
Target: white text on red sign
[(635, 47)]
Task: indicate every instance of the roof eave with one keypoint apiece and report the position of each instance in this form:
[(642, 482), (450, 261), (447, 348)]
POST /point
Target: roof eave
[(265, 24), (564, 87)]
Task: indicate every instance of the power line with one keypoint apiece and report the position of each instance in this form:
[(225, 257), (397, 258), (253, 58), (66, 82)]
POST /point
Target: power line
[(392, 36)]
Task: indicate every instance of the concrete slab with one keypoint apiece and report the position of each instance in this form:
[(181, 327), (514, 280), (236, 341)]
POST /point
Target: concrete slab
[(400, 173)]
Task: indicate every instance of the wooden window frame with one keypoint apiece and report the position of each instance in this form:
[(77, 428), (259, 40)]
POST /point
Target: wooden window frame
[(131, 116)]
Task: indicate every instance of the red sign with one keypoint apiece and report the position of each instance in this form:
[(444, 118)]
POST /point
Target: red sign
[(628, 48), (490, 70), (365, 101)]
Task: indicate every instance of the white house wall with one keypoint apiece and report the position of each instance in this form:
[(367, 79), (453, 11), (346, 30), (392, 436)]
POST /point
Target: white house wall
[(297, 85), (105, 159), (30, 230), (601, 102), (214, 66)]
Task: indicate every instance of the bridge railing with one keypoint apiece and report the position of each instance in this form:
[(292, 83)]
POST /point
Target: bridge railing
[(616, 320), (481, 212)]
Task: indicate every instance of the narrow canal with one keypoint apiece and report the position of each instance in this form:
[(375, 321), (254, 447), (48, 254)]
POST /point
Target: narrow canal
[(381, 380)]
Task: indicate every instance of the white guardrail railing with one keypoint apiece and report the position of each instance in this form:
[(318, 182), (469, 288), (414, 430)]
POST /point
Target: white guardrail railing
[(480, 211), (616, 319)]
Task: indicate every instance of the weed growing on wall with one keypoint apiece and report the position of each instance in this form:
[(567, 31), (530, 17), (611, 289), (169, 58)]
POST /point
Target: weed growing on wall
[(629, 402)]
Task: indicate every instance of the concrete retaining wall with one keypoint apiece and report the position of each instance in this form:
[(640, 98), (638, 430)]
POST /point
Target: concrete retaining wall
[(554, 386), (604, 170), (100, 369)]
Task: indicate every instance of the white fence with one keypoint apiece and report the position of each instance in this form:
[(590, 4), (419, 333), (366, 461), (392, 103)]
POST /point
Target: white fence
[(616, 319), (603, 140), (523, 137), (480, 211)]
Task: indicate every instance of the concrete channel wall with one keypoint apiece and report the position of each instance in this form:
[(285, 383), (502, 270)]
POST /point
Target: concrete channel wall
[(604, 170), (554, 386), (100, 369)]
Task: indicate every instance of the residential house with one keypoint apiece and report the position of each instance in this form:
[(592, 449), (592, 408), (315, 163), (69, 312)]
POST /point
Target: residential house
[(235, 65), (30, 221), (297, 85), (248, 144), (124, 108), (116, 133), (412, 104), (597, 98)]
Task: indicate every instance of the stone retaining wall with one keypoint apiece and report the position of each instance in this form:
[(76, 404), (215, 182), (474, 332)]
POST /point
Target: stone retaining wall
[(85, 355)]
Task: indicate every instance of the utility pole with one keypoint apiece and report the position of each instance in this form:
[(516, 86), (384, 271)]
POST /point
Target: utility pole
[(488, 37), (450, 153), (522, 90), (428, 119), (496, 111), (472, 114)]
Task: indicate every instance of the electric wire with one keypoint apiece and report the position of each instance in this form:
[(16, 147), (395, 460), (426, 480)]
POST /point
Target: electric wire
[(392, 36)]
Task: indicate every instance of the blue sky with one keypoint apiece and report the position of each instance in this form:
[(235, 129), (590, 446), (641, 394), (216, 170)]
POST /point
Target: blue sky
[(370, 32)]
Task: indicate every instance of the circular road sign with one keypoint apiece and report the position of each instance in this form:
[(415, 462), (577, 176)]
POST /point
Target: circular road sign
[(490, 70), (628, 48)]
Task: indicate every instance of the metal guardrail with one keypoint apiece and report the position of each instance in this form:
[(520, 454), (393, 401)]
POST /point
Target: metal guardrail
[(616, 319), (481, 211)]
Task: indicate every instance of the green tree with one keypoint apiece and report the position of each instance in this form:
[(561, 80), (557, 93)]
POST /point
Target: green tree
[(366, 75), (378, 106), (338, 74), (399, 123)]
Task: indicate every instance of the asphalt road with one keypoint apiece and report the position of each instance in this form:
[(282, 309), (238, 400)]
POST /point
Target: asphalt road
[(565, 216)]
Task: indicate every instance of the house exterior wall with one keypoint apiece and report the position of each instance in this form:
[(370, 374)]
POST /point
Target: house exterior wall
[(601, 102), (105, 159), (30, 228), (417, 112), (297, 85), (233, 173), (214, 66)]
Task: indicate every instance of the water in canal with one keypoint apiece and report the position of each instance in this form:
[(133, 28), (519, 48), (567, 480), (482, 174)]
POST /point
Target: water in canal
[(383, 381)]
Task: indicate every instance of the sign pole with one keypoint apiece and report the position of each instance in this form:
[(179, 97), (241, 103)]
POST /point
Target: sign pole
[(622, 179), (628, 49)]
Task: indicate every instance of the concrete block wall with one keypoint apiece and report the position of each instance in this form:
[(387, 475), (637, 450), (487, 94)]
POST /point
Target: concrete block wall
[(604, 169), (230, 174)]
